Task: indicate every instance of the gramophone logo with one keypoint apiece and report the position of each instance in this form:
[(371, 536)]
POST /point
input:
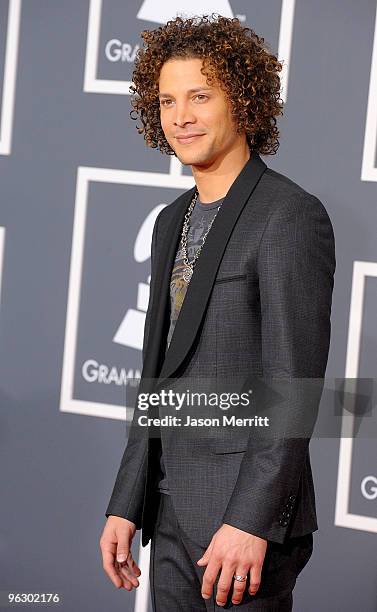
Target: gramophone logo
[(161, 12), (131, 331)]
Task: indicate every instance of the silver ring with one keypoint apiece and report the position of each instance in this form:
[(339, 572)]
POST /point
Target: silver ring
[(239, 578)]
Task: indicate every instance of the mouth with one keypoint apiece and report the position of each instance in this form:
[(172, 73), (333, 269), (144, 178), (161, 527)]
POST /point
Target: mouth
[(188, 139)]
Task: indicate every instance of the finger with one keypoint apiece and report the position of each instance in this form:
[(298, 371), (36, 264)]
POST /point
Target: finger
[(133, 565), (224, 584), (108, 563), (126, 583), (209, 577), (207, 553), (129, 575), (239, 587), (255, 579), (123, 550)]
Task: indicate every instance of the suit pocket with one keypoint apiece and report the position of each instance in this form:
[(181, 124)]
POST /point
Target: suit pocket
[(233, 277), (229, 452), (227, 447)]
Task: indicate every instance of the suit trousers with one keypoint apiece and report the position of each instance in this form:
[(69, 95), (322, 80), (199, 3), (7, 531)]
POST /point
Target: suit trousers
[(176, 579)]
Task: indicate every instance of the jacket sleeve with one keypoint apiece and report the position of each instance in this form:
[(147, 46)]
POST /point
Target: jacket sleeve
[(128, 493), (296, 265)]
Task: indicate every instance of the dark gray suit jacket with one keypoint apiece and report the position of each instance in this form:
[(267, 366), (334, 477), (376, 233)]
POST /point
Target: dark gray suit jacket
[(259, 304)]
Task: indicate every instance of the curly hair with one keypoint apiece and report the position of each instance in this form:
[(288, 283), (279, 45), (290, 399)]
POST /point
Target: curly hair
[(233, 57)]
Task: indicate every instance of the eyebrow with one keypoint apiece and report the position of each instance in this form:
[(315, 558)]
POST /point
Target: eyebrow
[(189, 91)]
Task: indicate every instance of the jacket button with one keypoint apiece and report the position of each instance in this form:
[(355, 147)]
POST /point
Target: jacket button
[(291, 497)]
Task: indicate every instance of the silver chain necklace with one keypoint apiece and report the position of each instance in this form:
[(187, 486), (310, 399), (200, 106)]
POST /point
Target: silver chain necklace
[(189, 265)]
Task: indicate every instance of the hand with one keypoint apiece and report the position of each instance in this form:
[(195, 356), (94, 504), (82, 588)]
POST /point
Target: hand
[(234, 551), (117, 561)]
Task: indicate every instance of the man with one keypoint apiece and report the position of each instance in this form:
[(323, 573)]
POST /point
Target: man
[(241, 285)]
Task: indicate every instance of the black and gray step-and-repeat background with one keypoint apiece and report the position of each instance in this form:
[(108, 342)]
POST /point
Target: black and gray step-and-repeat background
[(79, 195)]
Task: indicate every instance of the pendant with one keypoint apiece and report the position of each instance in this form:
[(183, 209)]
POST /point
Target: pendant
[(187, 274)]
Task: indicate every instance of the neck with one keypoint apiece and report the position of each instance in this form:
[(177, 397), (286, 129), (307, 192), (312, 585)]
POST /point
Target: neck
[(214, 181)]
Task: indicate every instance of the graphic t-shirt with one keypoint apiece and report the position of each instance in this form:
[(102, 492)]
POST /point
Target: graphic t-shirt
[(199, 221)]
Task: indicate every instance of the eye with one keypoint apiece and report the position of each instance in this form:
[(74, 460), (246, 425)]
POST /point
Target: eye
[(166, 101)]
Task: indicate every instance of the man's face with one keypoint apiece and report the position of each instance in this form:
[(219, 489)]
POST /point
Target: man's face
[(205, 111)]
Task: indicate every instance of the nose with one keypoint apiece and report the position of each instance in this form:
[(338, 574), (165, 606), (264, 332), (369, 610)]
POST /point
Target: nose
[(183, 115)]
